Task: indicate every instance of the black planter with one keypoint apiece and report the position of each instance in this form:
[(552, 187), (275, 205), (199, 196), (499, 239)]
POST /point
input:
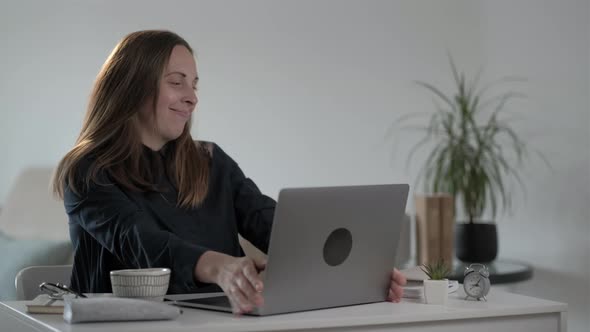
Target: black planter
[(476, 242)]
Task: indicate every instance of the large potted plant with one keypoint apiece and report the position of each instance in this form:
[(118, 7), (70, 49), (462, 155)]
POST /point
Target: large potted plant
[(475, 152)]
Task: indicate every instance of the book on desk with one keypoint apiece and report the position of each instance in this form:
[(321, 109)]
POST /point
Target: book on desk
[(44, 304), (414, 287)]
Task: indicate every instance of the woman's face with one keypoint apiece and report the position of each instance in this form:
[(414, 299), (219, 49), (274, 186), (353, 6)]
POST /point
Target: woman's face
[(176, 102)]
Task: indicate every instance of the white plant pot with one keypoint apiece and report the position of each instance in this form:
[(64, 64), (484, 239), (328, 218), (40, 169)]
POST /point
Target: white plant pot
[(436, 291)]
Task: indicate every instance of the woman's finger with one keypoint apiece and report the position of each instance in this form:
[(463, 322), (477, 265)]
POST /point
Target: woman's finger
[(392, 297), (252, 275), (398, 277), (397, 290), (240, 299), (246, 285), (235, 308), (260, 264)]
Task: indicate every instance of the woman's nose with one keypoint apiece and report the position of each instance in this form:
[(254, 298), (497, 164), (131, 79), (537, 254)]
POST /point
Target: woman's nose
[(190, 97)]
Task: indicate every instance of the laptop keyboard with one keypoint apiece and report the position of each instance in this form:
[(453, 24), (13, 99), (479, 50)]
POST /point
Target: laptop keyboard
[(220, 301)]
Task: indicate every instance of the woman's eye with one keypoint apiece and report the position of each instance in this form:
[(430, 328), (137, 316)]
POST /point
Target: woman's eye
[(175, 83)]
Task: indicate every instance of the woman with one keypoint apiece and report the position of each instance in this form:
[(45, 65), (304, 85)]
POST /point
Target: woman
[(139, 192)]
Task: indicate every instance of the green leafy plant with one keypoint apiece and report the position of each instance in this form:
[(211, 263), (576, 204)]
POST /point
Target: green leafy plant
[(471, 157), (437, 270)]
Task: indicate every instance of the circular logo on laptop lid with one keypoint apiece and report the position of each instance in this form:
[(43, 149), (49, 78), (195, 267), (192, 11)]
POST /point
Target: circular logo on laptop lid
[(337, 246)]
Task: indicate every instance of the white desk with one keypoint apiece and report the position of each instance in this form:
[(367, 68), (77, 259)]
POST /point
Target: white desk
[(503, 312)]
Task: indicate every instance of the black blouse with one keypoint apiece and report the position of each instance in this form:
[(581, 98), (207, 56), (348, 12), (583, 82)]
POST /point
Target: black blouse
[(113, 228)]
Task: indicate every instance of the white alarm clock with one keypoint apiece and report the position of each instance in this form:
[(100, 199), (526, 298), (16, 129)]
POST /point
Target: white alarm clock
[(476, 282)]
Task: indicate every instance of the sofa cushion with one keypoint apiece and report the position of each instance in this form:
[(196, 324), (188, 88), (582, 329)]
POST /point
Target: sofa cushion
[(20, 253)]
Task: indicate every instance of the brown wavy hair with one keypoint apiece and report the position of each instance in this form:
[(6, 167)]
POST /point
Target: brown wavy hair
[(129, 78)]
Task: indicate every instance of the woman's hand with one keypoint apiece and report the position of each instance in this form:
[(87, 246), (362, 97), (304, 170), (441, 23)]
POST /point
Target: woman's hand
[(398, 280), (240, 280), (238, 277)]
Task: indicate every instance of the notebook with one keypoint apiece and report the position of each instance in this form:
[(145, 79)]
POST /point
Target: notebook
[(43, 304)]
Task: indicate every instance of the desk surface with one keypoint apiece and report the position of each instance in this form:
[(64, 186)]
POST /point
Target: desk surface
[(373, 316)]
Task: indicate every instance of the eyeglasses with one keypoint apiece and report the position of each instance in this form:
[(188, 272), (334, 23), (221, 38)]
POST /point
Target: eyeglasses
[(57, 291)]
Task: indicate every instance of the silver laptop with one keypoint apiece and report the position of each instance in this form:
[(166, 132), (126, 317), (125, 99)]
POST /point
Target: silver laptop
[(329, 247)]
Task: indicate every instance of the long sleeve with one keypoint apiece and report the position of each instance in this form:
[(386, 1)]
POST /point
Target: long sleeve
[(254, 211), (130, 234), (113, 228)]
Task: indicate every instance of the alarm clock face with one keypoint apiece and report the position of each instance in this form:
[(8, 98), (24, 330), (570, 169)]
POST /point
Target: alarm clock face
[(474, 285)]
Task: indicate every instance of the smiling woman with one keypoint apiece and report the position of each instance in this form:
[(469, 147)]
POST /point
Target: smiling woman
[(140, 193), (135, 102)]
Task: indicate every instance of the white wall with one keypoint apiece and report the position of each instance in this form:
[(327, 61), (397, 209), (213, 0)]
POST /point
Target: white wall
[(548, 42), (301, 93)]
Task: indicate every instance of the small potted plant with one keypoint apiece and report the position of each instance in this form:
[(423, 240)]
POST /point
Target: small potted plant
[(437, 284)]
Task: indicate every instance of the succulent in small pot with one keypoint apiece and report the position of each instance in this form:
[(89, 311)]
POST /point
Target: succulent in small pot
[(436, 287)]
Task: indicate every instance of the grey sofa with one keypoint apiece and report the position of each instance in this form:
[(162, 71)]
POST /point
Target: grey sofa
[(33, 228)]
